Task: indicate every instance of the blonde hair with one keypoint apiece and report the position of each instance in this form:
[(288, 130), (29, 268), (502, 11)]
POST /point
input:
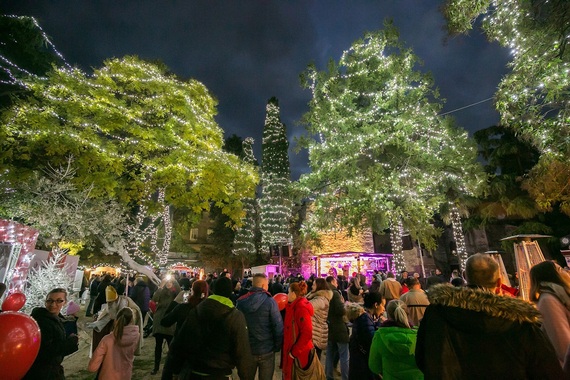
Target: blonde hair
[(396, 310)]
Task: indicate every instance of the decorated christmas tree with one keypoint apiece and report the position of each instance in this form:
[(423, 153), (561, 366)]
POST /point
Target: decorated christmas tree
[(275, 204), (51, 274)]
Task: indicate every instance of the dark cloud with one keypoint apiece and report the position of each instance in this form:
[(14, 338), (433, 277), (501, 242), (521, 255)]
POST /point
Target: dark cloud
[(248, 51)]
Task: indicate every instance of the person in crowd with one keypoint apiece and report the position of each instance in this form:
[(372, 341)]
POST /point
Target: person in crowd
[(416, 301), (277, 286), (113, 358), (355, 291), (100, 300), (219, 338), (71, 318), (236, 286), (93, 292), (338, 338), (342, 286), (470, 332), (403, 277), (550, 290), (392, 350), (390, 289), (162, 297), (107, 315), (54, 344), (320, 297), (178, 315), (264, 326), (375, 285), (184, 282), (297, 329), (365, 322), (140, 293), (434, 279)]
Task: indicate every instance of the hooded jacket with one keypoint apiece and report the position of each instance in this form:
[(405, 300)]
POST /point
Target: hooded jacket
[(338, 329), (264, 322), (54, 346), (320, 300), (297, 335), (392, 354), (219, 340), (474, 334), (115, 358)]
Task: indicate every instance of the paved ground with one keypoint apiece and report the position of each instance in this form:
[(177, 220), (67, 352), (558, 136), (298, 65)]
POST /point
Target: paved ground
[(76, 364)]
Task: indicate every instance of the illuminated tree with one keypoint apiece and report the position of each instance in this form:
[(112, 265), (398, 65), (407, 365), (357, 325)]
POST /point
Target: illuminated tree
[(275, 205), (533, 97), (382, 157), (244, 241), (137, 135)]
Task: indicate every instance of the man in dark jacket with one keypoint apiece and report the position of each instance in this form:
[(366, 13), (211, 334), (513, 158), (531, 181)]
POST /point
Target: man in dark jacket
[(473, 333), (92, 294), (219, 338), (140, 293), (264, 324), (338, 337)]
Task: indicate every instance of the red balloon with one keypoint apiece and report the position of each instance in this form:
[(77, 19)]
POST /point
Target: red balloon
[(152, 306), (19, 344), (14, 302), (282, 299)]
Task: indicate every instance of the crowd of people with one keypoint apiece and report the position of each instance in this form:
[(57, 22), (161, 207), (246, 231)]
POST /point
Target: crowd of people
[(389, 327)]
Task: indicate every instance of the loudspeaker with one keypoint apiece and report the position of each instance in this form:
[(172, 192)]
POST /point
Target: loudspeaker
[(407, 242)]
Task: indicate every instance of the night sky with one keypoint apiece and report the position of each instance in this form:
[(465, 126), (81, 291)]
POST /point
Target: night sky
[(248, 51)]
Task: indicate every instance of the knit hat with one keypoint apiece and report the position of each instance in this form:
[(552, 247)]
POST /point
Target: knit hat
[(111, 294), (72, 308), (223, 287)]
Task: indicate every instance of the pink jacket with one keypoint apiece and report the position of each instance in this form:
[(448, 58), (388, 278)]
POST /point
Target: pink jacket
[(116, 358)]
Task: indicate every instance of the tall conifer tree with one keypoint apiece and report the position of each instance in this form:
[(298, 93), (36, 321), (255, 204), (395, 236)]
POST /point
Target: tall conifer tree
[(275, 203)]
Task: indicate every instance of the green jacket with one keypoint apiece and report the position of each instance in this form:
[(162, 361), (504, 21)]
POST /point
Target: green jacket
[(392, 354)]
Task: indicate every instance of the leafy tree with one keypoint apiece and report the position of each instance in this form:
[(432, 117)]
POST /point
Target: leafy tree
[(533, 97), (244, 240), (275, 205), (138, 136), (382, 156)]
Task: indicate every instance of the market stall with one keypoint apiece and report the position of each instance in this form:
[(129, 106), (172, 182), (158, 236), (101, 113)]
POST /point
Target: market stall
[(345, 263)]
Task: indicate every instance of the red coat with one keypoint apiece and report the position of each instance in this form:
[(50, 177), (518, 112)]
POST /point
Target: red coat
[(301, 311)]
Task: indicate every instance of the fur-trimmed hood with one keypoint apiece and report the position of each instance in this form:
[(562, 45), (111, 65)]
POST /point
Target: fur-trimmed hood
[(480, 301)]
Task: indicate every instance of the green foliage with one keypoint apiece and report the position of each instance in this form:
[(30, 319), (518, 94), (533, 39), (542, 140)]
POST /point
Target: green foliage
[(381, 152), (533, 97), (131, 127), (275, 205)]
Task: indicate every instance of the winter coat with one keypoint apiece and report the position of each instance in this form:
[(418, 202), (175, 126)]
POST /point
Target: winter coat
[(363, 329), (390, 289), (220, 342), (474, 334), (101, 295), (93, 288), (297, 322), (115, 358), (177, 315), (392, 354), (163, 297), (54, 346), (140, 293), (338, 330), (553, 304), (264, 322), (416, 301), (320, 300)]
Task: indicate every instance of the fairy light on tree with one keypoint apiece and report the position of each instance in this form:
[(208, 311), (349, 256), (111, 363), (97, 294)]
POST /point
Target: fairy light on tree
[(244, 240), (382, 151), (275, 205)]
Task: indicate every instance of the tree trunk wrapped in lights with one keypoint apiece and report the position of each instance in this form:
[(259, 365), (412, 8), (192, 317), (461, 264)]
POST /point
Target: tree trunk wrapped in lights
[(458, 236)]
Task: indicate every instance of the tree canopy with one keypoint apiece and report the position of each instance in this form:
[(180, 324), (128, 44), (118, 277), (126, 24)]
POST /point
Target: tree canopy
[(132, 129), (381, 154)]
